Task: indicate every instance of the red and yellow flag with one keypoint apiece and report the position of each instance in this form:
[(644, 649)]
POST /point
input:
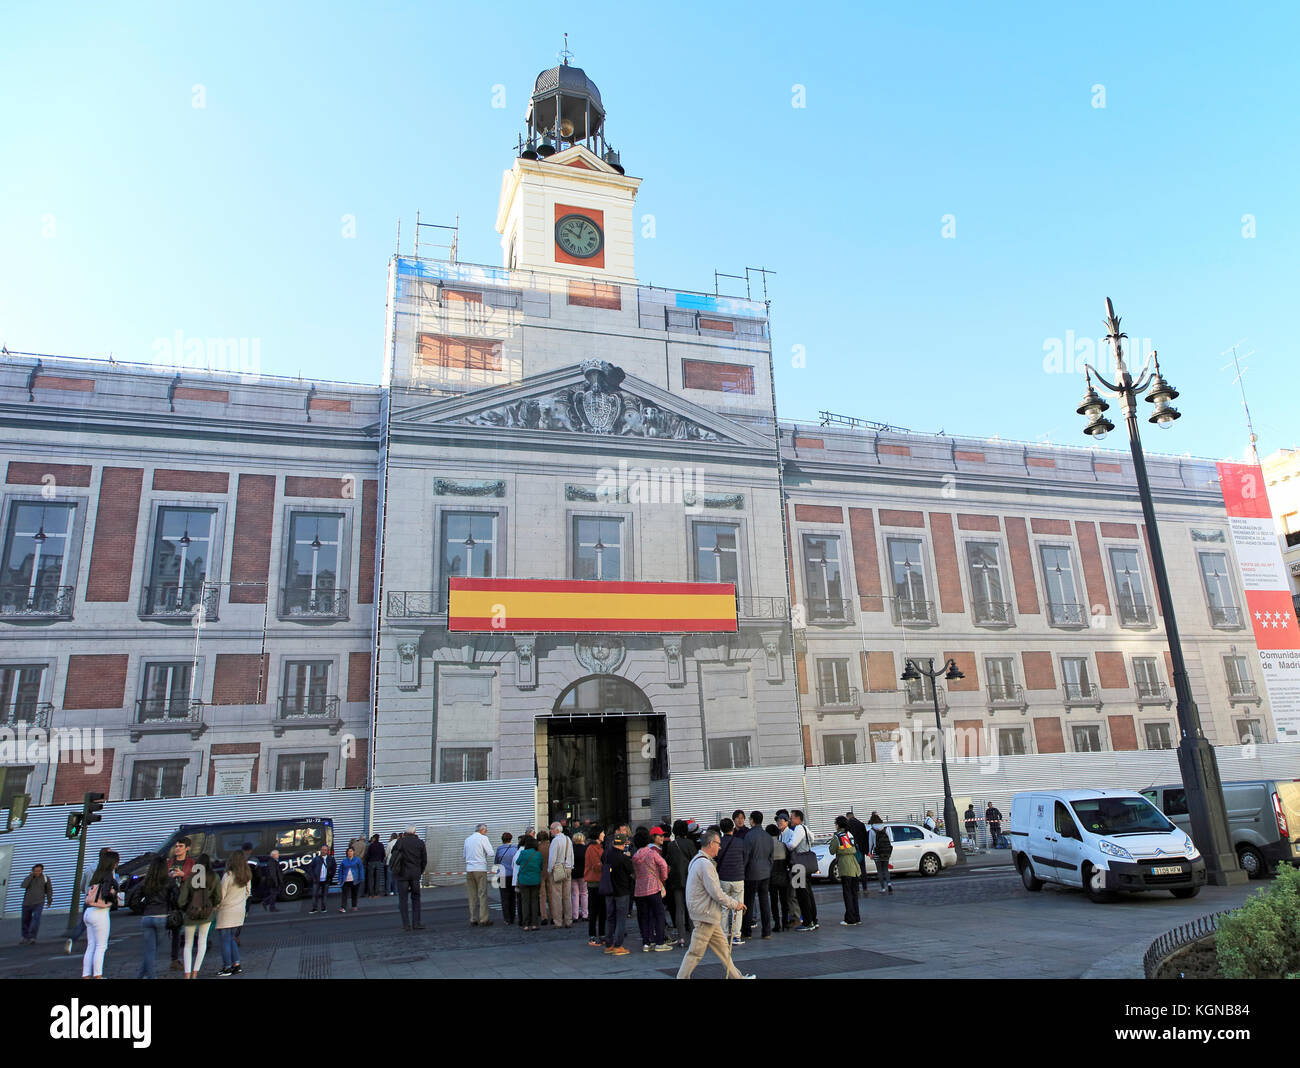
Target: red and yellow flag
[(590, 606)]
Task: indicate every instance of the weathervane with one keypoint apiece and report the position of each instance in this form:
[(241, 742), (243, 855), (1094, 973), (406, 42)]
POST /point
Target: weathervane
[(565, 55)]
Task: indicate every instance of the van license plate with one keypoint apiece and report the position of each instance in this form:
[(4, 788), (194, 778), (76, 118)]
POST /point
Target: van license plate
[(1175, 870)]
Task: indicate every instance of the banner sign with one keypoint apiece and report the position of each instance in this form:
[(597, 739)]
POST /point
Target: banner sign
[(590, 606), (1267, 589)]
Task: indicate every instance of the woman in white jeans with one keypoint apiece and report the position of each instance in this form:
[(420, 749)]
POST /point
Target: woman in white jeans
[(100, 898), (199, 898)]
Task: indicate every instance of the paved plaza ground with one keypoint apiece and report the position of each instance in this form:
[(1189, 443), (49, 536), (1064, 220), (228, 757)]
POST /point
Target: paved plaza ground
[(975, 923)]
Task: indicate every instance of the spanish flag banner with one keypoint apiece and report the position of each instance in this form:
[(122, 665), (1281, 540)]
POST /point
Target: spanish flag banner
[(590, 606)]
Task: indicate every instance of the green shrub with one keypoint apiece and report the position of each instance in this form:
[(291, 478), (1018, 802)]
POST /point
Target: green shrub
[(1261, 940)]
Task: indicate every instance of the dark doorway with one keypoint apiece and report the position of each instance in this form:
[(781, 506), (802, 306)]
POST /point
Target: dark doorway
[(587, 771)]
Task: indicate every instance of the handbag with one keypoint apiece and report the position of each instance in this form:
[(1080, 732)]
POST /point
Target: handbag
[(175, 920), (805, 858)]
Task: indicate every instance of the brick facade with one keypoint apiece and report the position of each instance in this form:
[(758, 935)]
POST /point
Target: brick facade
[(191, 481), (880, 673), (358, 676), (966, 521), (866, 559), (250, 559), (818, 513), (302, 486), (945, 561), (112, 553), (354, 775), (1038, 671), (1123, 733), (240, 679), (1022, 566), (72, 781), (1111, 671), (966, 665), (892, 517), (30, 473), (1094, 571), (717, 377), (95, 680), (1047, 734), (369, 528)]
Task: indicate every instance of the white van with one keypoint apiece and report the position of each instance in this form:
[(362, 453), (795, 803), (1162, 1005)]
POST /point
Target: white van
[(1103, 841)]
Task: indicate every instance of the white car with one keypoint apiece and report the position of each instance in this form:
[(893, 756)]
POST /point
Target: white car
[(915, 849)]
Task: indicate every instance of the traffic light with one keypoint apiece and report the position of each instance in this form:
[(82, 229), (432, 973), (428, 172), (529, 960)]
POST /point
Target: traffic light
[(18, 811), (73, 829), (90, 809)]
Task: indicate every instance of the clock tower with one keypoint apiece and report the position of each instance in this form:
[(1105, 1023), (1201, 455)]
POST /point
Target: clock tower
[(566, 206)]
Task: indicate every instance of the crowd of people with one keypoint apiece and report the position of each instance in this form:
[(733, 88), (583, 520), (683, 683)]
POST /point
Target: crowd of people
[(717, 887)]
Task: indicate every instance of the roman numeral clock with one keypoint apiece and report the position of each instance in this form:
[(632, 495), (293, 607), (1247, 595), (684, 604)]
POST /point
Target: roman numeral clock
[(579, 236)]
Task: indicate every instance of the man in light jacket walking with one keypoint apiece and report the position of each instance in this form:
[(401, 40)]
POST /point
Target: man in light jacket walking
[(559, 875), (479, 860), (707, 905)]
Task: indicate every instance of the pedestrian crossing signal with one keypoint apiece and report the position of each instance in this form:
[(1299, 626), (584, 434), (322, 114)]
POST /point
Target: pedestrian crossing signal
[(73, 830), (17, 812)]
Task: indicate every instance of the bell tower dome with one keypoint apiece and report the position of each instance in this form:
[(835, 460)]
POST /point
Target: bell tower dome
[(566, 204)]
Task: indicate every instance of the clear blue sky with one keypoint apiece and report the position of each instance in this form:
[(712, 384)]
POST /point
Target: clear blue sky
[(127, 214)]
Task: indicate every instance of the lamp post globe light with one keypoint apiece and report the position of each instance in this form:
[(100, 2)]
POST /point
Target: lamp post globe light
[(911, 673), (1196, 760)]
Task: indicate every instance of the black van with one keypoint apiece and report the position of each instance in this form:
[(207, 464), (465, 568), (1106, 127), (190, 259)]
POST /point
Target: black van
[(298, 840)]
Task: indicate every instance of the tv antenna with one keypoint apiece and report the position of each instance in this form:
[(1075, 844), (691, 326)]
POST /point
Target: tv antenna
[(1238, 379)]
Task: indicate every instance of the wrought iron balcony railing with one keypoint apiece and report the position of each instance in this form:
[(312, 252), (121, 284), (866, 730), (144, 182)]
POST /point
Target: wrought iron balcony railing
[(417, 604), (304, 604), (168, 710), (1136, 615), (26, 713), (1243, 690), (43, 602), (1153, 695), (993, 613), (1012, 696), (829, 610), (921, 699), (1081, 693), (1066, 615), (838, 698), (177, 601), (912, 613), (777, 608), (1227, 616), (295, 706)]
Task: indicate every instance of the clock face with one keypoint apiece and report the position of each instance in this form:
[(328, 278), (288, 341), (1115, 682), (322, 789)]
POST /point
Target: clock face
[(579, 236)]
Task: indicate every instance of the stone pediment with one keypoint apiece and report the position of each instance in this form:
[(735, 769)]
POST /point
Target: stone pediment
[(593, 398)]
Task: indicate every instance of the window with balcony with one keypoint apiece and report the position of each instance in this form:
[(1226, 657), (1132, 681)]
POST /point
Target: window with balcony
[(1133, 607), (1248, 730), (1241, 686), (13, 781), (307, 689), (179, 563), (1219, 594), (1146, 678), (598, 548), (988, 596), (20, 691), (907, 579), (300, 771), (1064, 608), (463, 765), (728, 753), (823, 579), (840, 748), (1000, 671), (1158, 735), (1011, 741), (919, 691), (152, 779), (716, 556), (833, 683), (33, 579), (312, 586), (167, 691), (1087, 738), (468, 545), (1078, 685)]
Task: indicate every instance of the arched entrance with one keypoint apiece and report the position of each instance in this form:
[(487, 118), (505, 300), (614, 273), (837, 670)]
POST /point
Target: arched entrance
[(595, 751)]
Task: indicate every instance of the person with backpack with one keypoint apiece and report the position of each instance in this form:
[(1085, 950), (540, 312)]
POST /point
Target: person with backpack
[(845, 851), (100, 899), (351, 875), (320, 873), (152, 898), (504, 859), (678, 854), (882, 848), (621, 875), (199, 897), (236, 886), (407, 861), (38, 894)]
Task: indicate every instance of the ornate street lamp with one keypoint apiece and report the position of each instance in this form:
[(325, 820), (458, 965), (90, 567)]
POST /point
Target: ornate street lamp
[(1196, 760), (911, 673)]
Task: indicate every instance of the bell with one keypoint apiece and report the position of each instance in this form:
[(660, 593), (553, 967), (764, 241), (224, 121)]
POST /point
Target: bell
[(530, 151), (546, 149)]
